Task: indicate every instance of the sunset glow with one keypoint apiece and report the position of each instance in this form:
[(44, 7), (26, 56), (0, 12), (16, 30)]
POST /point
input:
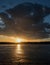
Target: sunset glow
[(19, 40)]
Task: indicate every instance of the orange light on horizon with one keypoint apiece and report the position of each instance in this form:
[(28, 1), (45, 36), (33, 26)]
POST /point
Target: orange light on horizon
[(19, 40)]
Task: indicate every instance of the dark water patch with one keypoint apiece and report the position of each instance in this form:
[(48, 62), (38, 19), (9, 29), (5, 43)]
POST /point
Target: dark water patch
[(24, 54)]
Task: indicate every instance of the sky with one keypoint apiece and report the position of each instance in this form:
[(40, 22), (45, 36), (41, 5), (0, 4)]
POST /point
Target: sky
[(6, 4), (24, 28)]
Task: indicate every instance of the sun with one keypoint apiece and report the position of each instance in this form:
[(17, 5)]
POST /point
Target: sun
[(19, 40)]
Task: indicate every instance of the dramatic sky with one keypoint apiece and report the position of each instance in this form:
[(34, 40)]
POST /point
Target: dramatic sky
[(11, 3), (26, 28)]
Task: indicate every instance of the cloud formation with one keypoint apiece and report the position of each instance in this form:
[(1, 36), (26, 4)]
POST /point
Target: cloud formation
[(27, 20)]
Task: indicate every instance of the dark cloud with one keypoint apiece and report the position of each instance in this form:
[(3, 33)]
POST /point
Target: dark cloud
[(26, 20)]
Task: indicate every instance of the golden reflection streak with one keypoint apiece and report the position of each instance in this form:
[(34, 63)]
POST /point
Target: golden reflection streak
[(19, 49)]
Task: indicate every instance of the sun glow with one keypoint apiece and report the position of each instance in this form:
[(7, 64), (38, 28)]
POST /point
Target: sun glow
[(19, 40)]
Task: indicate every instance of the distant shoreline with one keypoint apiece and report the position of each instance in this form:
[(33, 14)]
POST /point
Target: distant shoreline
[(25, 43)]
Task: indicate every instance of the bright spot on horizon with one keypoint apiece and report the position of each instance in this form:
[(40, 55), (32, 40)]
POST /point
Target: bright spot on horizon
[(19, 40)]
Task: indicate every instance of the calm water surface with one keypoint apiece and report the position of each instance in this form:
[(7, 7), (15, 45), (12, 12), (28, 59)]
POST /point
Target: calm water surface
[(24, 54)]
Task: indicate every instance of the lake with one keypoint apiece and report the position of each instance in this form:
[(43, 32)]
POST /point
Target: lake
[(24, 54)]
